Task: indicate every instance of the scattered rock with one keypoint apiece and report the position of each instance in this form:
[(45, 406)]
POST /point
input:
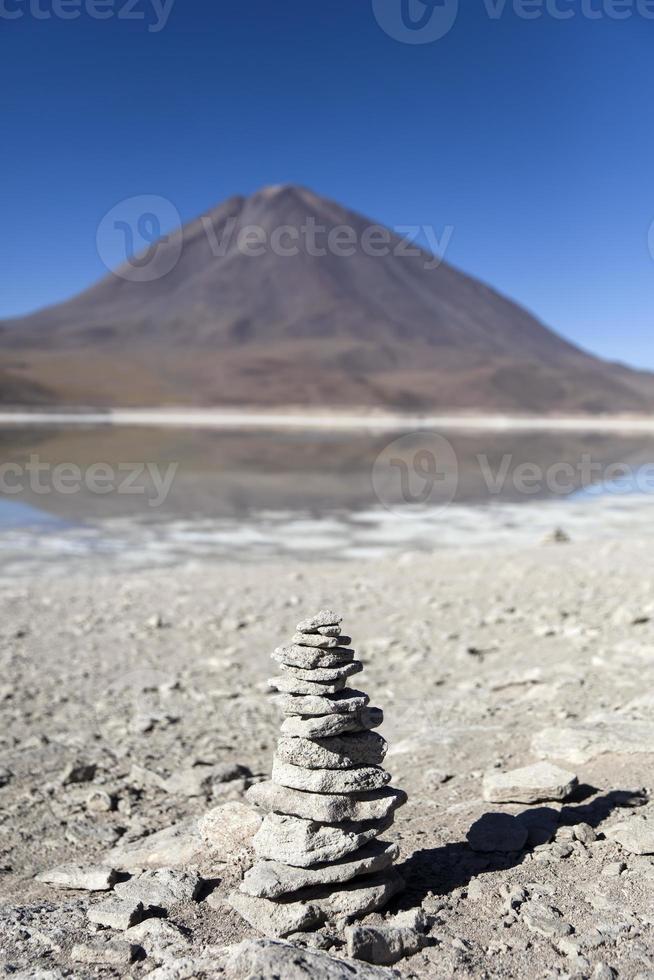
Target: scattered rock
[(161, 889), (635, 835), (383, 945), (92, 878), (586, 742), (78, 772), (174, 847), (272, 960), (229, 828), (105, 952), (116, 914), (531, 784), (544, 919), (6, 776)]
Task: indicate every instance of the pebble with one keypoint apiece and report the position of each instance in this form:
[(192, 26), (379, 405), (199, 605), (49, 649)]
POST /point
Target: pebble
[(326, 807), (338, 752), (382, 945), (614, 869), (360, 779), (531, 784), (78, 772), (6, 775), (90, 878)]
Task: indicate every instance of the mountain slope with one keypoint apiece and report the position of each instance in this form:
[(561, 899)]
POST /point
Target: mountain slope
[(224, 326)]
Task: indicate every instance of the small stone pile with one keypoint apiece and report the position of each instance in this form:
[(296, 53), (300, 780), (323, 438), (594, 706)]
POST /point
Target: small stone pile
[(318, 851)]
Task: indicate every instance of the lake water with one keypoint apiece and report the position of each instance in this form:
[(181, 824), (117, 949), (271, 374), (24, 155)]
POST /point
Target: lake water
[(147, 496)]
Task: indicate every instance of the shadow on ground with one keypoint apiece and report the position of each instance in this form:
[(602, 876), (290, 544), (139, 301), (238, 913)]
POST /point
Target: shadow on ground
[(505, 839)]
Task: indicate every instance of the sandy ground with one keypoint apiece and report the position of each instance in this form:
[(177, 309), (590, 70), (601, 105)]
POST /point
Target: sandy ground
[(480, 661)]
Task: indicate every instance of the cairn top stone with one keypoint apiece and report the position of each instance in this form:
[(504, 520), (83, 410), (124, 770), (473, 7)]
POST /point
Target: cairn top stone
[(326, 617)]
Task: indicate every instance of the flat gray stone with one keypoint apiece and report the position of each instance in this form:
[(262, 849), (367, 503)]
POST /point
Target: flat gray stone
[(321, 641), (324, 807), (174, 847), (116, 914), (308, 657), (337, 752), (92, 878), (318, 674), (635, 835), (325, 630), (324, 726), (272, 879), (104, 952), (161, 889), (275, 918), (326, 617), (294, 685), (229, 828), (531, 784), (359, 897), (497, 832), (304, 843), (583, 743), (270, 960), (157, 937), (345, 702), (358, 780), (383, 945)]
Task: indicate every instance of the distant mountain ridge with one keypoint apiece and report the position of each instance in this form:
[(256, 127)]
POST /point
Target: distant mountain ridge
[(225, 326)]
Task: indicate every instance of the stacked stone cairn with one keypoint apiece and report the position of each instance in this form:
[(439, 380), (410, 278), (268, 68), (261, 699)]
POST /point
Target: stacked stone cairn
[(319, 856)]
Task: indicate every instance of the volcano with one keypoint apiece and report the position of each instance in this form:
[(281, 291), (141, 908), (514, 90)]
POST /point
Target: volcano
[(287, 298)]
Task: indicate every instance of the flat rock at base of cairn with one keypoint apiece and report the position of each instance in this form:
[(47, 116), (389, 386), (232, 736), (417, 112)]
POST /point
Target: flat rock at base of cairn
[(272, 879), (312, 906), (325, 725), (318, 856), (327, 807)]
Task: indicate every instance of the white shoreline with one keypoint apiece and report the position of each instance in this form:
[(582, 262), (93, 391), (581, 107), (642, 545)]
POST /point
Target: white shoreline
[(306, 420)]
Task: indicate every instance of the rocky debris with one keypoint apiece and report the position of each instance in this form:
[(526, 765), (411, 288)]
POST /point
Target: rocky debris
[(326, 807), (531, 784), (315, 868), (635, 835), (269, 960), (116, 914), (544, 919), (6, 775), (178, 846), (498, 832), (160, 890), (101, 952), (92, 878), (557, 536), (272, 878), (388, 943), (157, 937), (229, 829)]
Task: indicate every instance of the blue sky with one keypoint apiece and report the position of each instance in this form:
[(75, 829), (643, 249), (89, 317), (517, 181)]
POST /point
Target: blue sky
[(532, 138)]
